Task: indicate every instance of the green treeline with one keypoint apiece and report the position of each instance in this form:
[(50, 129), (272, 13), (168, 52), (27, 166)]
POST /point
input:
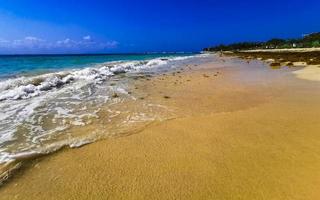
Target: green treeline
[(308, 41)]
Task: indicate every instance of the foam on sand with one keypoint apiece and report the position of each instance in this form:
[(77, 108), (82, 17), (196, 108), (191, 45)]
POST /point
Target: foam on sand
[(251, 133), (38, 111)]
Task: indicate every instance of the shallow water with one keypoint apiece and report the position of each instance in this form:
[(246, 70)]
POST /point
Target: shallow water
[(42, 111), (17, 65)]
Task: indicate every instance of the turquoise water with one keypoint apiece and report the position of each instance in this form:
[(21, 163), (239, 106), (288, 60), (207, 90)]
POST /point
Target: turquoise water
[(15, 65)]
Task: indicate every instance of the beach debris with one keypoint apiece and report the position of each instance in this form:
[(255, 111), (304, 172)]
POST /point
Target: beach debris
[(309, 56), (289, 64), (300, 64), (37, 81), (313, 61), (115, 95), (270, 60), (275, 64), (116, 72), (166, 97)]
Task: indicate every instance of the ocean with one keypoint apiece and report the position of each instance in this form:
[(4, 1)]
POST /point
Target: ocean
[(46, 99)]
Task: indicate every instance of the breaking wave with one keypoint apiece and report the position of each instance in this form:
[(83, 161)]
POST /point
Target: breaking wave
[(37, 111)]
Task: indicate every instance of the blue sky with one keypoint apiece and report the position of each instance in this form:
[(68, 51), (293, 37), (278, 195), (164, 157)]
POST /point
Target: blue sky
[(96, 26)]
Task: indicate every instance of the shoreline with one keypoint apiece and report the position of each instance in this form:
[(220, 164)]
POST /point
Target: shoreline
[(41, 112), (283, 50), (239, 134), (306, 61), (280, 58)]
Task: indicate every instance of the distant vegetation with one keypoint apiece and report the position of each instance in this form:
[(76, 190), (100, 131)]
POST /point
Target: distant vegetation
[(308, 41)]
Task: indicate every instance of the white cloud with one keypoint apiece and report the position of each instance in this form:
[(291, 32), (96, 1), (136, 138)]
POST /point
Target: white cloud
[(4, 43), (3, 40), (38, 44), (66, 43), (88, 37), (27, 42), (111, 44), (33, 39)]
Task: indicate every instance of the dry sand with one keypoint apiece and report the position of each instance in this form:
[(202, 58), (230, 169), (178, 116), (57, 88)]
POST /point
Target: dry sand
[(242, 131), (309, 73)]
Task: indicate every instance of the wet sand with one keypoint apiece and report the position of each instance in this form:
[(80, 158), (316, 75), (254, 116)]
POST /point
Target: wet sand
[(241, 131)]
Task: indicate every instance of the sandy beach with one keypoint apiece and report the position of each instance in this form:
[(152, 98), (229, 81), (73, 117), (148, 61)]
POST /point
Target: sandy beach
[(239, 130)]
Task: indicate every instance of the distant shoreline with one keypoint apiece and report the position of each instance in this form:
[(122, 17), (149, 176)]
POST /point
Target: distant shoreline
[(99, 54), (268, 50), (307, 58), (308, 41), (281, 57), (283, 50)]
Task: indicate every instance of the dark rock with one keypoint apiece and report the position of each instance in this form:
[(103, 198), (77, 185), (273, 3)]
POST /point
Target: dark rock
[(115, 95)]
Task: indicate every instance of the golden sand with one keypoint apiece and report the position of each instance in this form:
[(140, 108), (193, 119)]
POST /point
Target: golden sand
[(309, 73), (245, 132)]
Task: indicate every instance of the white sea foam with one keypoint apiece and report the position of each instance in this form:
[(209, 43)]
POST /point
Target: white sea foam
[(36, 109), (28, 87)]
